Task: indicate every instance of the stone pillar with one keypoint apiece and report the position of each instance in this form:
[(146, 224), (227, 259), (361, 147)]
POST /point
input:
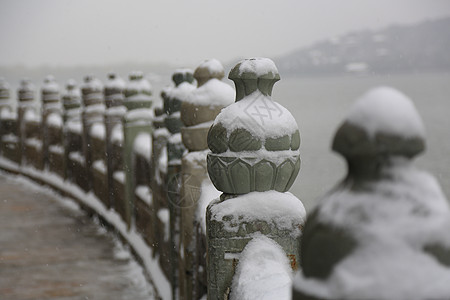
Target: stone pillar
[(26, 113), (8, 119), (93, 111), (183, 79), (137, 121), (51, 116), (114, 113), (254, 161), (382, 233), (73, 128), (197, 113)]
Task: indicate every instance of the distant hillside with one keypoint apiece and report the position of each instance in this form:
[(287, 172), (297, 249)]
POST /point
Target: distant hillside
[(396, 49)]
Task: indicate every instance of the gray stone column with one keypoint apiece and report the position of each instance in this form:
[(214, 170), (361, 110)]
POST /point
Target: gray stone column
[(382, 233), (197, 113), (93, 111), (8, 119), (51, 116), (183, 79), (73, 142), (26, 113), (254, 161), (138, 120), (115, 110)]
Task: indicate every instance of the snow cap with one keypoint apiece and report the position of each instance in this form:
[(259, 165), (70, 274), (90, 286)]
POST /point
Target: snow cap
[(26, 90), (210, 68), (4, 89), (182, 75), (382, 122)]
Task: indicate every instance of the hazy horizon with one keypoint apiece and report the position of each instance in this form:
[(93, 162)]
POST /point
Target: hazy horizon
[(65, 33)]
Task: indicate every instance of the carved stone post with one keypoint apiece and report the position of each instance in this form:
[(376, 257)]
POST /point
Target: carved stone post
[(115, 110), (254, 161), (51, 118), (383, 233), (73, 128), (175, 150), (93, 111), (138, 120), (27, 118), (197, 113), (8, 126)]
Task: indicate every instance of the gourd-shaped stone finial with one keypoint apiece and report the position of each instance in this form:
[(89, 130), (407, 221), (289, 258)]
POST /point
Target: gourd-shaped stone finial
[(114, 88), (50, 91), (182, 75), (138, 93), (255, 141), (92, 91), (384, 229), (26, 90), (4, 90), (204, 104), (72, 95)]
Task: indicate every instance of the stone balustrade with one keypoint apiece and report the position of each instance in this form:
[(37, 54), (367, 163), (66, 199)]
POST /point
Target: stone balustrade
[(199, 187)]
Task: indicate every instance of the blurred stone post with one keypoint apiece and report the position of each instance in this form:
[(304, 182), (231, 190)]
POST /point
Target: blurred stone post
[(26, 113), (93, 111), (115, 110), (51, 119), (183, 79), (137, 121), (197, 113), (382, 233), (254, 161), (73, 141), (8, 125)]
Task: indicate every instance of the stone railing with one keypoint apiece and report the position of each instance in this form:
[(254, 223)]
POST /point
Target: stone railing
[(199, 187), (144, 171)]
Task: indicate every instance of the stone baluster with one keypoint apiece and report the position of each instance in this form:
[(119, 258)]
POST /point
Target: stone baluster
[(114, 113), (255, 159), (73, 128), (137, 121), (26, 112), (183, 79), (93, 111), (159, 186), (8, 119), (197, 113), (382, 233), (51, 116)]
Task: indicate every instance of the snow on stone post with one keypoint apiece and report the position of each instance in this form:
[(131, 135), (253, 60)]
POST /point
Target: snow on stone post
[(197, 113), (159, 186), (183, 79), (51, 119), (115, 110), (73, 142), (254, 161), (137, 123), (93, 110), (8, 119), (383, 232), (30, 145)]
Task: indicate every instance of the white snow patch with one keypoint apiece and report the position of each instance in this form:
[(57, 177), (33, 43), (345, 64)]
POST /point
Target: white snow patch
[(164, 217), (77, 156), (213, 92), (182, 91), (283, 210), (117, 134), (143, 145), (95, 108), (98, 131), (75, 126), (213, 65), (259, 65), (119, 176), (55, 120), (208, 194), (139, 114), (145, 194), (34, 142), (57, 149), (100, 166), (261, 116), (263, 272), (161, 132), (175, 139), (386, 110)]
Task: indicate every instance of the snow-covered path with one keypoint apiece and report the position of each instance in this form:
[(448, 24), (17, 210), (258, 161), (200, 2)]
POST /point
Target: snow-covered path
[(49, 249)]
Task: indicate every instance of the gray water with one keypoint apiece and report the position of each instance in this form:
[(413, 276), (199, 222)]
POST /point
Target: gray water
[(320, 104)]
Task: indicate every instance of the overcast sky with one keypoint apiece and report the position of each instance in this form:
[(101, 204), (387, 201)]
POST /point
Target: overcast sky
[(71, 32)]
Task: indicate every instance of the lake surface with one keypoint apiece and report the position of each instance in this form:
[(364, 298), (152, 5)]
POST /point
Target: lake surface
[(320, 104)]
